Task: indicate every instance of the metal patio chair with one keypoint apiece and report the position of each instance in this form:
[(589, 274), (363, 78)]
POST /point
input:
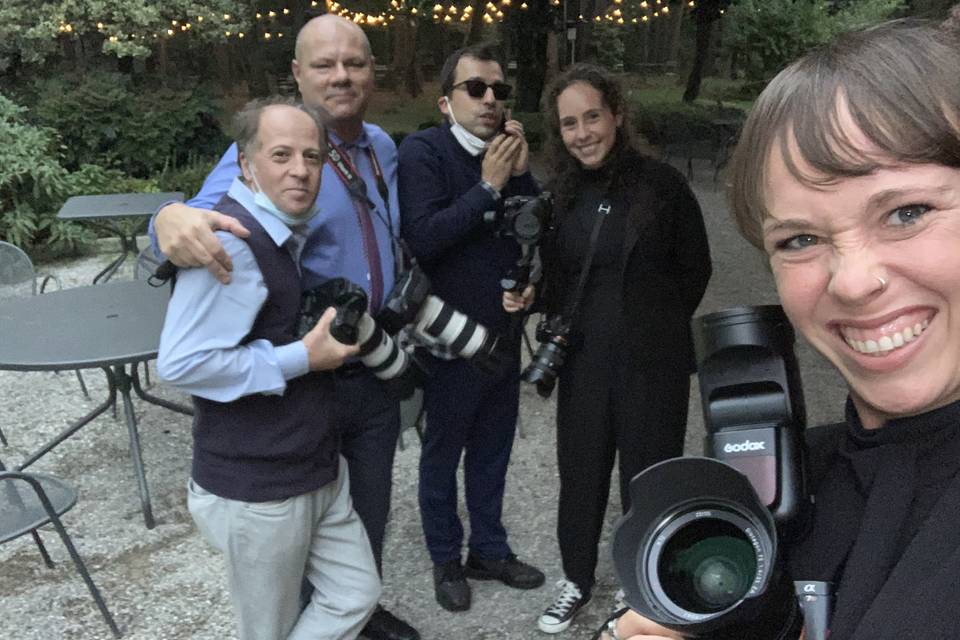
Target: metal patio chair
[(30, 500)]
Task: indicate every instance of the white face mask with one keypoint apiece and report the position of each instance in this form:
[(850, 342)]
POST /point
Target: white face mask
[(263, 201), (474, 145)]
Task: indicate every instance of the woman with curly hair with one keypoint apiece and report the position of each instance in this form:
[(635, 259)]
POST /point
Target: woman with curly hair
[(625, 265)]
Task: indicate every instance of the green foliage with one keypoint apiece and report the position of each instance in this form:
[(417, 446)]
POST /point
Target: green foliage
[(34, 185), (765, 35), (662, 123), (32, 181), (187, 178), (606, 46), (104, 120), (30, 30)]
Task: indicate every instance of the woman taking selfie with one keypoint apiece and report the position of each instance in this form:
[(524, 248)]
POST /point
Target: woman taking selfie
[(848, 177), (625, 266)]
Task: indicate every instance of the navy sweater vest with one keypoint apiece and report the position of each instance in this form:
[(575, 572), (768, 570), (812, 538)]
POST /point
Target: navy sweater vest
[(268, 447)]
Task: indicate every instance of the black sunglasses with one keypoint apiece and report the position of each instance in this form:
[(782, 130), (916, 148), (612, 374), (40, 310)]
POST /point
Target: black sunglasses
[(478, 88)]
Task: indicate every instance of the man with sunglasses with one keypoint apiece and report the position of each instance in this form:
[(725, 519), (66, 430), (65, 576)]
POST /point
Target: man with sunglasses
[(449, 176)]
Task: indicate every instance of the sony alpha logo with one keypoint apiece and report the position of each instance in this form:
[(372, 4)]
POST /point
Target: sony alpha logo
[(746, 445)]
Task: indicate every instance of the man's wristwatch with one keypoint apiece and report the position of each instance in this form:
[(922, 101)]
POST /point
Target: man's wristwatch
[(489, 188)]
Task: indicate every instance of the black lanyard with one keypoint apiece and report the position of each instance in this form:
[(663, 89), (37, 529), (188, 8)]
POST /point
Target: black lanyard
[(357, 188), (350, 177), (602, 211)]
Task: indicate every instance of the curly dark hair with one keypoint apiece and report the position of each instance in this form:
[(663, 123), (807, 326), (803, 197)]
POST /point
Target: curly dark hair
[(565, 170)]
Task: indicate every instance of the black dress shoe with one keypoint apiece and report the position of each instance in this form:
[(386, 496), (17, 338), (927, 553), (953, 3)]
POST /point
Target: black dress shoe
[(383, 625), (509, 571), (450, 586)]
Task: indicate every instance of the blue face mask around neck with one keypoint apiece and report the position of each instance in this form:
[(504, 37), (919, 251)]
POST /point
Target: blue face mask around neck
[(473, 145), (267, 206)]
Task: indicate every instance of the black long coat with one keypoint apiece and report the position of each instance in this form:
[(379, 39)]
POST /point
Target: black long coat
[(666, 264)]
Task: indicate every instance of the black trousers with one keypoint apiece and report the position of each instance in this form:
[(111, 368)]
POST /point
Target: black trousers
[(369, 424), (607, 408), (473, 416)]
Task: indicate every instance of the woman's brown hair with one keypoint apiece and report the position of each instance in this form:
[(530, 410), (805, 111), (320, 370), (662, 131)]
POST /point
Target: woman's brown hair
[(897, 82)]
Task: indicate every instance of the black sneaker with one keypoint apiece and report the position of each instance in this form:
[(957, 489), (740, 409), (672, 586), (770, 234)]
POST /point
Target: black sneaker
[(510, 571), (564, 609), (450, 586)]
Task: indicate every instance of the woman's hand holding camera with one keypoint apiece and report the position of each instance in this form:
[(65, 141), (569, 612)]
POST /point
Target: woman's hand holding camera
[(514, 302), (633, 626)]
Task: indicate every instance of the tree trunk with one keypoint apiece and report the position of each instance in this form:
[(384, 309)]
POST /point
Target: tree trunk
[(585, 30), (404, 64), (677, 18), (704, 29), (163, 61), (475, 31), (530, 37), (553, 54)]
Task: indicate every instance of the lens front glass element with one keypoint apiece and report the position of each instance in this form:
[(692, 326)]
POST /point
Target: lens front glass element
[(707, 566)]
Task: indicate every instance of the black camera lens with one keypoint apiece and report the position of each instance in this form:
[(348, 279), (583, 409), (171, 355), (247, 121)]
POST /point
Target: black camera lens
[(697, 550), (707, 566), (545, 366)]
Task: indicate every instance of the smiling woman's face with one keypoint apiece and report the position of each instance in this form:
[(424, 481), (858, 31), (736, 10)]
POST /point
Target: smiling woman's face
[(868, 270), (587, 125)]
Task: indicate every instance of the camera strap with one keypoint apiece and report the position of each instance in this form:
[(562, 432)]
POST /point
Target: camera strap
[(345, 169), (602, 211)]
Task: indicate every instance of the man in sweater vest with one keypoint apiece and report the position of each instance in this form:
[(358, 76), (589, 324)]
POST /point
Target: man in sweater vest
[(449, 176), (353, 239), (268, 486)]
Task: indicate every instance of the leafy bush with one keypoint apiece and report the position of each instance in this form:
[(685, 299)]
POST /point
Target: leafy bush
[(606, 46), (33, 185), (105, 120), (188, 177), (765, 35), (662, 123)]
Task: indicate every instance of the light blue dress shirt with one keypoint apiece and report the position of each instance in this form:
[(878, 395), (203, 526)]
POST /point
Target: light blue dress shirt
[(200, 350), (334, 247)]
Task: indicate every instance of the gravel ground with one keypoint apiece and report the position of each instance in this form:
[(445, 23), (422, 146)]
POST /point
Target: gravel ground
[(166, 583)]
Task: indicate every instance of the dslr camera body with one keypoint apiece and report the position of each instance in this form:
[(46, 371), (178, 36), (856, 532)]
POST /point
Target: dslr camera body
[(353, 325), (523, 218), (699, 548)]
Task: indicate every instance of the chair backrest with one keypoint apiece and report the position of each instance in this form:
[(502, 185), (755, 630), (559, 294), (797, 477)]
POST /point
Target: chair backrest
[(17, 275)]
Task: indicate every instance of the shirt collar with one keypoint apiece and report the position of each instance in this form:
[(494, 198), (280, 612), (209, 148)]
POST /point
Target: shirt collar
[(275, 228), (362, 142)]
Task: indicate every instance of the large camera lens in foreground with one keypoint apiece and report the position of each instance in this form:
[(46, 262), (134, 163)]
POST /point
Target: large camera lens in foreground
[(707, 566), (696, 547)]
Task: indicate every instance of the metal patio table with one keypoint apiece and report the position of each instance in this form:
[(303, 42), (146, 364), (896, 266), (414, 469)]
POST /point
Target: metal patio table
[(122, 214), (108, 326)]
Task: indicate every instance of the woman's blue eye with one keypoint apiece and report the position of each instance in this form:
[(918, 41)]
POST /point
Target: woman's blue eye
[(907, 215), (801, 241)]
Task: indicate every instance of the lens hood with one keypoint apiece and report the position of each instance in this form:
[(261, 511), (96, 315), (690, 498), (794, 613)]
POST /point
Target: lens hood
[(697, 549)]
